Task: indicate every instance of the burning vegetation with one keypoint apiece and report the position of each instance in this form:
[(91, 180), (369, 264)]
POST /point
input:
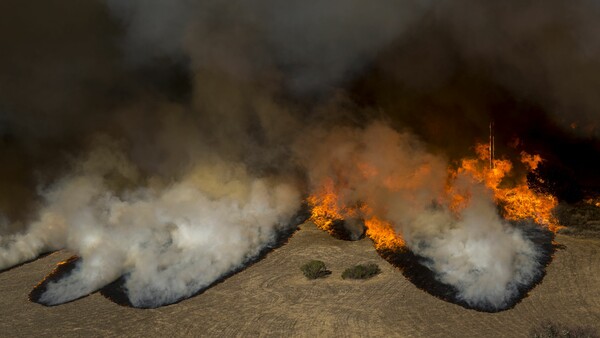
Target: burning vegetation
[(327, 212), (517, 201), (336, 201)]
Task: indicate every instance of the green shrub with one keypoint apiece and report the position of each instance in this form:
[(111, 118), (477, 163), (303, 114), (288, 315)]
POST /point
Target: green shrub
[(314, 269), (554, 330), (361, 271)]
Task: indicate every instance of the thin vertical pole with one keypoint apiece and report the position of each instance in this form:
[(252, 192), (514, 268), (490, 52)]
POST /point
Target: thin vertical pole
[(492, 145)]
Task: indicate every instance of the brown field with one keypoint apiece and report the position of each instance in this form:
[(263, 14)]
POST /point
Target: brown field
[(273, 298)]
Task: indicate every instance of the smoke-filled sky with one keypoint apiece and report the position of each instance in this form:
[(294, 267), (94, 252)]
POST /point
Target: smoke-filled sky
[(143, 134)]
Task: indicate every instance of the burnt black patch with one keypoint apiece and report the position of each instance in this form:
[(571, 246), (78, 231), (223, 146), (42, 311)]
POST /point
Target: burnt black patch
[(348, 229), (415, 269), (62, 270)]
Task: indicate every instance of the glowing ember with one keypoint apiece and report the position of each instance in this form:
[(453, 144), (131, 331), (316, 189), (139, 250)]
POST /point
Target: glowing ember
[(593, 201)]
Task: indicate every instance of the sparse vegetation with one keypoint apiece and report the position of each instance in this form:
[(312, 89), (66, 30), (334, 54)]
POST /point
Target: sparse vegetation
[(555, 330), (361, 271), (314, 269)]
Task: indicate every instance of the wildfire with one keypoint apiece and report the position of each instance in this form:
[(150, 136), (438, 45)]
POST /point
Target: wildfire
[(326, 210), (518, 202), (382, 233)]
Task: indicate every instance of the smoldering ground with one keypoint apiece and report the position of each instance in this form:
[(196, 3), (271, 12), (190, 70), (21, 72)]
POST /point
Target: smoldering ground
[(160, 139)]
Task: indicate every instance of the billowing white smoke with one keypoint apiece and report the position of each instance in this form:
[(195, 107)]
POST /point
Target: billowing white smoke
[(478, 253), (169, 241)]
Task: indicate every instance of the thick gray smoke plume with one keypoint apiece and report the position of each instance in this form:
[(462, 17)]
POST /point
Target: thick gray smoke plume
[(317, 44), (215, 112)]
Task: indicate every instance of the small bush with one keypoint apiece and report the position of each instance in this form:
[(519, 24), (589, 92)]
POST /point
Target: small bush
[(555, 330), (361, 271), (314, 269)]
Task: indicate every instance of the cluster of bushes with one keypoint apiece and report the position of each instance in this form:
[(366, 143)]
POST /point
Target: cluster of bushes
[(555, 330), (316, 269), (361, 271)]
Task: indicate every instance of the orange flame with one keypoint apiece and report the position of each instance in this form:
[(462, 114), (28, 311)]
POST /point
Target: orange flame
[(383, 235), (326, 209), (518, 202)]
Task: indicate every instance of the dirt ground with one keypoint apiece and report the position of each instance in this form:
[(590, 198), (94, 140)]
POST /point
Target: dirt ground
[(272, 298)]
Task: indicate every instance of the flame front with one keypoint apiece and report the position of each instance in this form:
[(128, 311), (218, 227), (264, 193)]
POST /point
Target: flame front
[(383, 234), (326, 209), (518, 202)]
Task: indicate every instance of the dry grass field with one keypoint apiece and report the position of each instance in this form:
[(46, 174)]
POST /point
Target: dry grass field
[(273, 298)]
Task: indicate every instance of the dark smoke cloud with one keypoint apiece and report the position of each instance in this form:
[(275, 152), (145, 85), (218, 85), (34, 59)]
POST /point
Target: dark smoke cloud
[(317, 44), (543, 51), (469, 57), (153, 29), (59, 77), (529, 66), (201, 106)]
